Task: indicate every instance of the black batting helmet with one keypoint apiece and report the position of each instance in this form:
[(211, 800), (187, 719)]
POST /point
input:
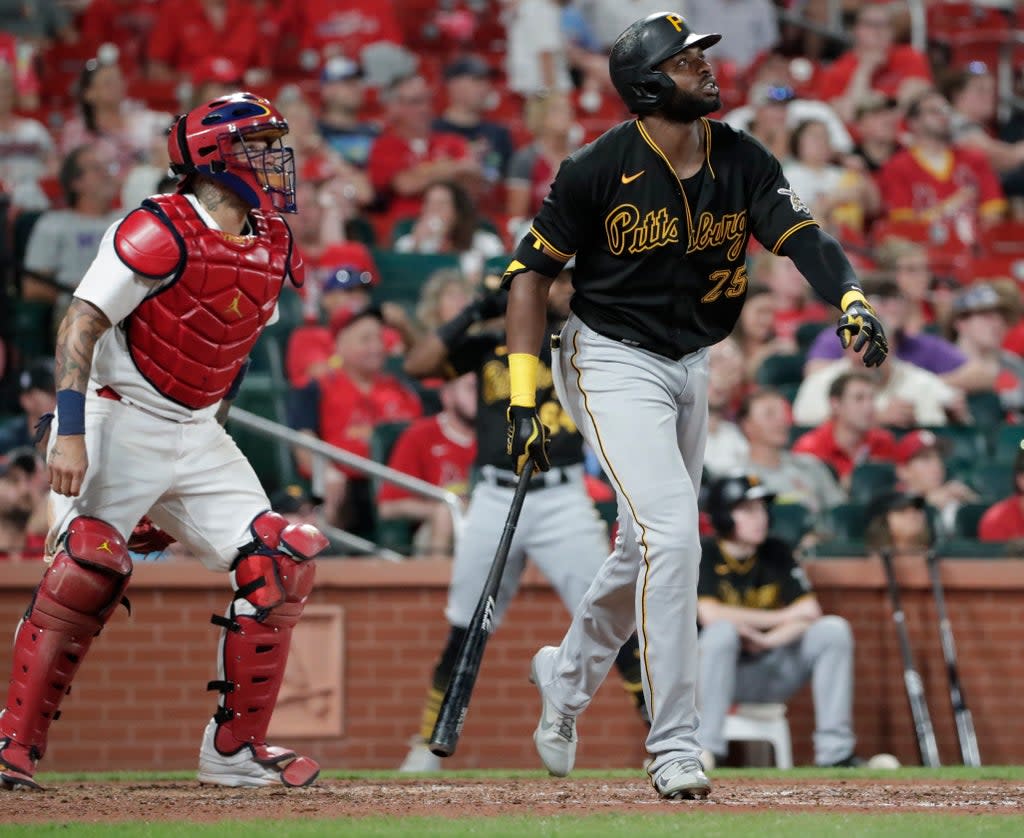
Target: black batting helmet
[(641, 48), (727, 493)]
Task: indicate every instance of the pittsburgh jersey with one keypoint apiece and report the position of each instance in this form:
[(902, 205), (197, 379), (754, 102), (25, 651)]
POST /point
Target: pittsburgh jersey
[(769, 579), (487, 356), (661, 263)]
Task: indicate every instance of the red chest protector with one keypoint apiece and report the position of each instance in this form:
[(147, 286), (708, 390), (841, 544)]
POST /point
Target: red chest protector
[(189, 339)]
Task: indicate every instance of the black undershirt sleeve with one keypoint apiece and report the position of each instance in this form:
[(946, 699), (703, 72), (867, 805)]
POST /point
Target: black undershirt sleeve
[(820, 258)]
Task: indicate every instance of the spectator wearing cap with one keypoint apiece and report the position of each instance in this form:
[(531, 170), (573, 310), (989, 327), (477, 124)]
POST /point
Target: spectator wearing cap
[(439, 449), (213, 77), (346, 273), (1004, 520), (907, 396), (791, 109), (469, 85), (343, 407), (36, 398), (410, 155), (851, 433), (295, 504), (23, 504), (981, 322), (876, 121), (922, 349), (898, 521), (921, 470), (342, 97), (27, 152), (448, 222), (873, 62), (181, 38)]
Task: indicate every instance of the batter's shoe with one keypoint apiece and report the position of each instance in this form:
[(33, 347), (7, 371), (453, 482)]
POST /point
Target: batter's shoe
[(420, 759), (17, 766), (555, 736), (683, 779), (252, 765)]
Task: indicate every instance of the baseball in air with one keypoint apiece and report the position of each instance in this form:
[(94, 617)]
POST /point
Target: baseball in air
[(884, 761)]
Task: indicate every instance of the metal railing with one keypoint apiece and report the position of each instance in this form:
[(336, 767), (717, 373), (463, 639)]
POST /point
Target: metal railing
[(323, 453)]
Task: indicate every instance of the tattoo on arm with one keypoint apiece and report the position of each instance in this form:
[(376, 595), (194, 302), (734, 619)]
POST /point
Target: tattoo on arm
[(79, 330)]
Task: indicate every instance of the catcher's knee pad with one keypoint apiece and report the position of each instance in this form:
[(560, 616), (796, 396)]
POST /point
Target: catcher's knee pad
[(70, 606), (272, 577)]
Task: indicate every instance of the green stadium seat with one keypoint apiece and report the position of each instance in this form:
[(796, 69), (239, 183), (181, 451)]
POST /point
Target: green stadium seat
[(403, 275), (840, 548), (971, 548), (847, 521), (993, 481), (807, 332), (790, 522), (1009, 442), (965, 442), (34, 335), (986, 409), (870, 479), (395, 534), (967, 518), (780, 370), (271, 459), (383, 439)]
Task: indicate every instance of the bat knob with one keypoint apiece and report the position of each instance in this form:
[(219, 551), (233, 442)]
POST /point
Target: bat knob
[(441, 749)]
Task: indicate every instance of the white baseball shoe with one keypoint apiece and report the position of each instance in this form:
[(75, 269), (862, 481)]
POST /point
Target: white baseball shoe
[(683, 779), (253, 766), (555, 737), (420, 759)]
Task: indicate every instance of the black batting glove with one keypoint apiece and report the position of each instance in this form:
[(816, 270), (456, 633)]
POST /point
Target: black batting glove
[(492, 304), (860, 326), (527, 439)]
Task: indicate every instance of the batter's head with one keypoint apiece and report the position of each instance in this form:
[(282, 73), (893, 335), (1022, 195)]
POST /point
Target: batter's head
[(640, 49), (727, 493)]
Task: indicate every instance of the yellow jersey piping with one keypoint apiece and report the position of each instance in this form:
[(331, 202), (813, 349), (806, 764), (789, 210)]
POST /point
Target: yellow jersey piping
[(798, 226), (549, 246)]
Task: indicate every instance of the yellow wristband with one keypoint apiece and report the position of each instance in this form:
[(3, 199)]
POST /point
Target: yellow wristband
[(522, 372), (854, 295)]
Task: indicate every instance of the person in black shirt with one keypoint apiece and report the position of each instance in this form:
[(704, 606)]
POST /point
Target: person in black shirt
[(658, 212), (763, 635), (558, 530)]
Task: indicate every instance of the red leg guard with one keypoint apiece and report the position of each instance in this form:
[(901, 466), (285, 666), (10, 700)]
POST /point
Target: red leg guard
[(73, 602), (271, 589)]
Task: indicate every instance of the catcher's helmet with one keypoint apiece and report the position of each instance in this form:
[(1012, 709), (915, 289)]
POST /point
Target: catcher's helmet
[(727, 493), (641, 48), (261, 172)]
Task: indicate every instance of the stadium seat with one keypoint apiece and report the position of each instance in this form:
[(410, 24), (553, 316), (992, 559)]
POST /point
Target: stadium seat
[(967, 518), (790, 522), (272, 460), (807, 332), (779, 370), (396, 534), (993, 480), (870, 479), (971, 548), (34, 334), (403, 275), (1009, 442), (847, 521), (840, 548), (986, 409), (965, 442)]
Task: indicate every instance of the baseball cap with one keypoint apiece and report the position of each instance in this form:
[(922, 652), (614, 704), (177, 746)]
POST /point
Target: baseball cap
[(340, 68), (893, 500), (873, 102), (917, 442), (347, 265), (978, 298), (37, 376), (216, 68), (290, 499), (345, 317), (469, 65), (24, 458)]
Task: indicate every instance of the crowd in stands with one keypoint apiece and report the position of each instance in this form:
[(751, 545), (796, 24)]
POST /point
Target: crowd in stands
[(426, 133)]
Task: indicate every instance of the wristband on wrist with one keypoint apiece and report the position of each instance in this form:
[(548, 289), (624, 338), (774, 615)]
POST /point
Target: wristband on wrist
[(70, 413), (854, 295), (522, 372)]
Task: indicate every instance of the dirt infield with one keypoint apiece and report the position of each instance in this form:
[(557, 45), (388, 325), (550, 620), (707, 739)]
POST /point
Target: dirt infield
[(181, 801)]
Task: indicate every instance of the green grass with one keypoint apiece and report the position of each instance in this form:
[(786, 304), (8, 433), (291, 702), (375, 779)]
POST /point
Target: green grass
[(688, 822)]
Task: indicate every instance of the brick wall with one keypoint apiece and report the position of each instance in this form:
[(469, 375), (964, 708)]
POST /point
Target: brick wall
[(139, 701)]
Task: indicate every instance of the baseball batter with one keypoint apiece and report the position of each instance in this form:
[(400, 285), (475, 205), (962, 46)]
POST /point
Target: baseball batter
[(148, 357), (558, 530), (658, 212)]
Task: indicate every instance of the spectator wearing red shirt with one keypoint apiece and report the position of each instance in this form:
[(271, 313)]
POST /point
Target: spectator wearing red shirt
[(214, 76), (932, 180), (851, 435), (126, 23), (185, 31), (872, 63), (439, 449), (346, 27), (345, 405), (409, 155), (1004, 520)]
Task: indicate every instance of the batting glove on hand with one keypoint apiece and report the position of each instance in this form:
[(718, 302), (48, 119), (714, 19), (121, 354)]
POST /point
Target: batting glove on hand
[(860, 321), (527, 439)]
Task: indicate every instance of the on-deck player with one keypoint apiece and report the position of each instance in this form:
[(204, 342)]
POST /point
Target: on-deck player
[(149, 356), (658, 212)]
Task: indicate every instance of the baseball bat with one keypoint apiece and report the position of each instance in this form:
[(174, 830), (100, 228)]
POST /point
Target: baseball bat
[(452, 714), (964, 722), (911, 679)]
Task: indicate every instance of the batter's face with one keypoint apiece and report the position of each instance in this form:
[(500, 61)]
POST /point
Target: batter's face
[(696, 92)]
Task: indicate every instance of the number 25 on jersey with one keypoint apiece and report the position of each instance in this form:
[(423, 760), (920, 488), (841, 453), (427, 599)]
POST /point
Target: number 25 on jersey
[(728, 282)]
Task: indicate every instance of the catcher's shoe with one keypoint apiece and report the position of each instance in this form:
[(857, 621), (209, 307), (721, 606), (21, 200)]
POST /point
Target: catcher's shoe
[(683, 779), (555, 736), (17, 765), (420, 758), (251, 765)]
